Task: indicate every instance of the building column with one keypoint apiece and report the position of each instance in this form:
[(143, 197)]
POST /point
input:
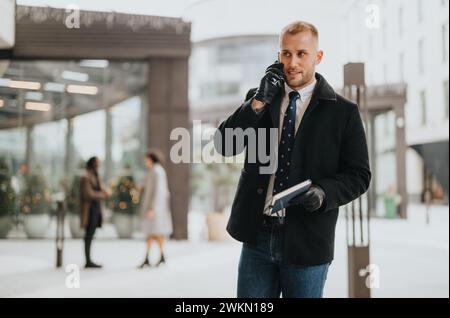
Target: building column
[(108, 145), (168, 109), (70, 153), (400, 154), (143, 126), (29, 150)]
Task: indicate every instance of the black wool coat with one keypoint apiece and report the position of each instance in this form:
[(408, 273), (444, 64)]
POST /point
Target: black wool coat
[(330, 149)]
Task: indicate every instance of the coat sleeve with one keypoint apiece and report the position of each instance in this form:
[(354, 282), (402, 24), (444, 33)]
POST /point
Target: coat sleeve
[(353, 177), (87, 191), (152, 194), (244, 117), (151, 182), (103, 185)]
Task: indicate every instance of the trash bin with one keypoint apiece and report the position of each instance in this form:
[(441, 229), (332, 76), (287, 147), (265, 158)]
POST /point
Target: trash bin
[(390, 208), (391, 201)]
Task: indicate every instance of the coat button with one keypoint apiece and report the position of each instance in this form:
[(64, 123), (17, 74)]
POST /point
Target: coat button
[(259, 191)]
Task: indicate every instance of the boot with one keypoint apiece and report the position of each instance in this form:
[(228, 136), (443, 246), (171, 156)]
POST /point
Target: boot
[(87, 252), (162, 260), (146, 263), (91, 264)]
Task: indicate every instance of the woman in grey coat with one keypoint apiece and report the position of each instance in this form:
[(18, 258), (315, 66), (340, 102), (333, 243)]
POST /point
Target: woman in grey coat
[(154, 208)]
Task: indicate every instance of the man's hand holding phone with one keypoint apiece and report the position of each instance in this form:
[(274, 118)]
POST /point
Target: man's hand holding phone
[(270, 85)]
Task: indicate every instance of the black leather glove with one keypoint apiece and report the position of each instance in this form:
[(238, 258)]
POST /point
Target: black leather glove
[(271, 83), (312, 200)]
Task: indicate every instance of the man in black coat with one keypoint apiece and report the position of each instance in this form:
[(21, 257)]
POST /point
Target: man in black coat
[(320, 137)]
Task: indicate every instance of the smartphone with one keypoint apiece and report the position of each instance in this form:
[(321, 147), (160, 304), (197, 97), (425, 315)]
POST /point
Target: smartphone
[(282, 68)]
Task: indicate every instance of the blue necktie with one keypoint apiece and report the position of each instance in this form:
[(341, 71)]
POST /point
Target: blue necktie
[(286, 144)]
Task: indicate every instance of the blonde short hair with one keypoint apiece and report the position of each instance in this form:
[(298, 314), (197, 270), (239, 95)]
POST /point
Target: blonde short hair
[(297, 27)]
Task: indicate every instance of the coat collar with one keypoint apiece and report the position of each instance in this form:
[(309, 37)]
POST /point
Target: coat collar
[(322, 91)]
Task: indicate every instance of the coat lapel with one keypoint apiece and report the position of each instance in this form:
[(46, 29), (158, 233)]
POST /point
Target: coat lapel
[(274, 109), (322, 91), (312, 105)]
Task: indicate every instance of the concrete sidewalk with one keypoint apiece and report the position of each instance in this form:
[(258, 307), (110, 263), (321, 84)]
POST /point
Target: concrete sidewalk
[(413, 259)]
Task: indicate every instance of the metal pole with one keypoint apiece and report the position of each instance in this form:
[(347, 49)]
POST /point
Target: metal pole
[(60, 214), (427, 195), (346, 225), (353, 224), (361, 223)]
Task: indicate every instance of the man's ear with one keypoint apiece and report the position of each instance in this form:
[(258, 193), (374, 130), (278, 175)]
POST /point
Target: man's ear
[(319, 56), (278, 57)]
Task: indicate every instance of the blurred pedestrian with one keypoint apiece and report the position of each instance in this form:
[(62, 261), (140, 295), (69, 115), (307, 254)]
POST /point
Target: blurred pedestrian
[(154, 208), (92, 192)]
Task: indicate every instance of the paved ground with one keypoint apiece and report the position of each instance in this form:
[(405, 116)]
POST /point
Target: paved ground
[(413, 259)]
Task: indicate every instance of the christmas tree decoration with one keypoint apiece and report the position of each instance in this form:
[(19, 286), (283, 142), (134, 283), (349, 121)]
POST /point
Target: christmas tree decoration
[(35, 197), (7, 193), (125, 196)]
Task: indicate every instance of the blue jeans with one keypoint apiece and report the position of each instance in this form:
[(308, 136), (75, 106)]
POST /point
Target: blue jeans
[(262, 273)]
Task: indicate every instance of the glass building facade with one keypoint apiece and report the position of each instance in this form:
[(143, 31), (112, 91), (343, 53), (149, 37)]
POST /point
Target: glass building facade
[(54, 115)]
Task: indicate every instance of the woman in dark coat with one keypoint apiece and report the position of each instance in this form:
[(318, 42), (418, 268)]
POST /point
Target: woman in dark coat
[(92, 192)]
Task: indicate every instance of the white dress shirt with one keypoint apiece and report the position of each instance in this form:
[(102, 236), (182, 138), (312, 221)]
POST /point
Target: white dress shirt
[(302, 104)]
